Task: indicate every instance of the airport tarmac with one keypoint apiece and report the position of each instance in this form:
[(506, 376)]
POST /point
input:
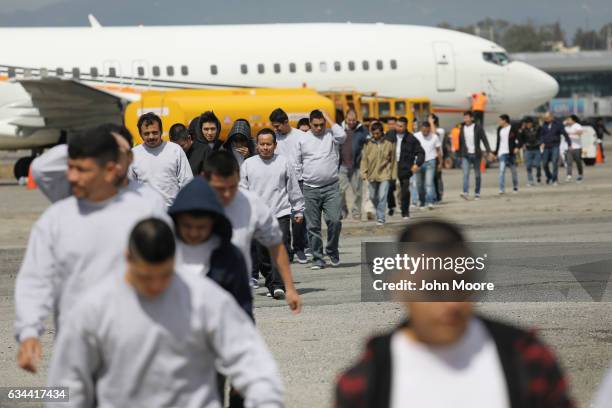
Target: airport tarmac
[(313, 347)]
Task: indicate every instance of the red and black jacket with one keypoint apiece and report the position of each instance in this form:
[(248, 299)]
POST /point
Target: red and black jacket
[(533, 377)]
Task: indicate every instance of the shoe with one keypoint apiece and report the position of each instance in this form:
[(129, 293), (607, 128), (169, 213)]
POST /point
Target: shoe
[(464, 196), (318, 264), (501, 192), (308, 252), (380, 223), (430, 206), (539, 181), (278, 294), (405, 217), (391, 212), (515, 191), (301, 257), (334, 260), (556, 184), (529, 184), (477, 197), (579, 179), (370, 216), (268, 294), (569, 177), (254, 283)]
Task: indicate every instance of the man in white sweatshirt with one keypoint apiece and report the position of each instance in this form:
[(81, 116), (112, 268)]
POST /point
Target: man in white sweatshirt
[(77, 241), (272, 177), (148, 337), (160, 164), (318, 156)]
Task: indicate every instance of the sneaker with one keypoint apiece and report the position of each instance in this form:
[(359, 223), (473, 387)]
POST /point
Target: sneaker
[(579, 179), (391, 212), (308, 252), (254, 283), (501, 192), (278, 294), (268, 294), (569, 177), (380, 223), (529, 184), (430, 206), (334, 260), (556, 184), (464, 196), (301, 257), (318, 264), (539, 181), (477, 197), (405, 217)]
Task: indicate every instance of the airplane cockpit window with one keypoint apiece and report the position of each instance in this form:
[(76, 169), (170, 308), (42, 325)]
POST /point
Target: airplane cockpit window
[(141, 71), (184, 70), (292, 67), (59, 72), (76, 73), (393, 64), (170, 70), (277, 68), (351, 65), (260, 68), (93, 72), (308, 67), (214, 70), (112, 72), (337, 66), (244, 69), (497, 58), (365, 65), (156, 70), (379, 65)]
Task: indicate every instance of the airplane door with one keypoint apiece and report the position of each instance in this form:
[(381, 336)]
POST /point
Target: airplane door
[(140, 73), (493, 85), (445, 66), (112, 72)]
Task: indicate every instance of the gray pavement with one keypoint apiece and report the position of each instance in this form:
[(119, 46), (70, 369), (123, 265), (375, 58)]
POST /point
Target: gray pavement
[(313, 347)]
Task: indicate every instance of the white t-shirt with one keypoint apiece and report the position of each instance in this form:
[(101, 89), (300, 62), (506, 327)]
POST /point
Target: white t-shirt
[(430, 144), (575, 134), (504, 141), (398, 145), (468, 133), (195, 259), (467, 374)]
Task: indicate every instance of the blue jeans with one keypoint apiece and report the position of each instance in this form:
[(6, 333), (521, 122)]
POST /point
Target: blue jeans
[(505, 161), (425, 182), (414, 191), (533, 158), (324, 200), (551, 154), (467, 161), (378, 194)]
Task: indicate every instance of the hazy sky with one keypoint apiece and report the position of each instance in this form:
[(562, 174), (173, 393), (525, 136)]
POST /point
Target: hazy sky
[(572, 14)]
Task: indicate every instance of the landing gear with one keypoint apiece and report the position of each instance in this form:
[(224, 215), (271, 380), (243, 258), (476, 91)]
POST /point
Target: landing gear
[(22, 167)]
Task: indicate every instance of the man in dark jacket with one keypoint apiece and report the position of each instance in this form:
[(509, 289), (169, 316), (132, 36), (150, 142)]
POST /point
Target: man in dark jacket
[(239, 141), (529, 135), (444, 354), (550, 135), (471, 136), (506, 148), (196, 151), (350, 159), (396, 135)]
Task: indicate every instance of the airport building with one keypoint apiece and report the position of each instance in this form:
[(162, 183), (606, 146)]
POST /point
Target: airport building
[(585, 80)]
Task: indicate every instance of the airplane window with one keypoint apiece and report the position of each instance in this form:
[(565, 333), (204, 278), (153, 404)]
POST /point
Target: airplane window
[(76, 73), (59, 72), (93, 72), (170, 70), (379, 65), (337, 66), (277, 68), (141, 71), (244, 69), (260, 68), (497, 58), (184, 70), (214, 70), (308, 67), (393, 64), (44, 72), (365, 65), (292, 67), (323, 66), (155, 70), (11, 72), (351, 65), (112, 72)]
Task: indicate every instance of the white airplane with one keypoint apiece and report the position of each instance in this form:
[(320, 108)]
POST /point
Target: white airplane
[(102, 68)]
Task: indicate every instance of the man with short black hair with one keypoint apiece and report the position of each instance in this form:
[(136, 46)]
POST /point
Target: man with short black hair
[(303, 124), (195, 151), (317, 162), (470, 137), (161, 336), (162, 165), (251, 218), (425, 178), (208, 130), (529, 136), (506, 148)]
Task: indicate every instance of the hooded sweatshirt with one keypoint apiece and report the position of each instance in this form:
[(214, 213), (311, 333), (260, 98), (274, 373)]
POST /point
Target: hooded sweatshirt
[(195, 128), (217, 257), (241, 130)]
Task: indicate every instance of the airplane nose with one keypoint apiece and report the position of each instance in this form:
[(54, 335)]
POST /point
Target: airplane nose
[(534, 85), (549, 86)]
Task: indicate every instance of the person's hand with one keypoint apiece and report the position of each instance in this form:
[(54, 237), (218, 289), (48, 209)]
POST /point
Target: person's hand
[(414, 168), (293, 300), (298, 218), (243, 151), (542, 146), (516, 150), (491, 157), (29, 354), (327, 118)]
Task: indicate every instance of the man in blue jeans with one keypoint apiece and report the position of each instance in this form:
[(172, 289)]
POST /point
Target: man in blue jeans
[(506, 148), (431, 144), (317, 155), (529, 136), (550, 135), (470, 138)]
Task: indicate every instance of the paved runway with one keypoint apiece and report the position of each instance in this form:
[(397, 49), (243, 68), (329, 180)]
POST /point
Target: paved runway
[(313, 347)]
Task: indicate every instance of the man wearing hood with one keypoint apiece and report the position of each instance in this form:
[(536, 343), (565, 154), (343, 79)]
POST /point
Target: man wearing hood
[(203, 244), (207, 129), (239, 141), (350, 159), (195, 151)]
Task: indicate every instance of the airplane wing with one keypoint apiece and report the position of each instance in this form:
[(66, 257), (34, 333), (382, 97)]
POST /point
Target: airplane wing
[(66, 104)]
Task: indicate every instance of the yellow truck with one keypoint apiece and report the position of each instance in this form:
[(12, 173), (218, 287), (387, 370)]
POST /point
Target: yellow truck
[(254, 105)]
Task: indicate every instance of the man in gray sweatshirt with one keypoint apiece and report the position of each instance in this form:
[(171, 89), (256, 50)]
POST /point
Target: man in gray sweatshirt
[(317, 163), (77, 241), (148, 337), (272, 177)]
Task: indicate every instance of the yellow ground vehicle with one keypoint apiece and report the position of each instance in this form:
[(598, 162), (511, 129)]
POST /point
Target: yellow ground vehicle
[(254, 105), (370, 106)]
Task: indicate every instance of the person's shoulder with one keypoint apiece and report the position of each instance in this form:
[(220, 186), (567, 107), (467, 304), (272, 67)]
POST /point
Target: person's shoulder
[(138, 148), (205, 291)]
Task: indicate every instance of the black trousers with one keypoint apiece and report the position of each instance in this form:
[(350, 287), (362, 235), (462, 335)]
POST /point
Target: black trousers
[(298, 235), (266, 266), (479, 117), (405, 196), (391, 195)]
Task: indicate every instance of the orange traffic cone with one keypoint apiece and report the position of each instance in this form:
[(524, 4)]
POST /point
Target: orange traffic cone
[(599, 157), (31, 183), (483, 165)]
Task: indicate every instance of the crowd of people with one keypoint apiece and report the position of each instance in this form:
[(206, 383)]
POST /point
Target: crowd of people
[(148, 256)]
